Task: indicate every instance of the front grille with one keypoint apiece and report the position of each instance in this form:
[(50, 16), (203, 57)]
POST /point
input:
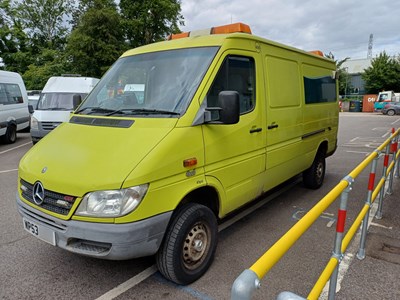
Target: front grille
[(49, 125), (54, 202)]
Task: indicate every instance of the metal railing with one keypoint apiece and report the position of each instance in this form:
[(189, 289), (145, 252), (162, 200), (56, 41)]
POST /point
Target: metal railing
[(249, 281)]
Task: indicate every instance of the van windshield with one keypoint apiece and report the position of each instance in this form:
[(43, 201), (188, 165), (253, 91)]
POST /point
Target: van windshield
[(159, 84), (57, 101)]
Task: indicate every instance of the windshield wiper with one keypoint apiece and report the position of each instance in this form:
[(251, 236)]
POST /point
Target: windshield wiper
[(142, 111), (95, 109)]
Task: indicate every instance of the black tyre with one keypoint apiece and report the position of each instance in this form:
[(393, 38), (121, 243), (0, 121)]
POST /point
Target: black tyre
[(313, 177), (11, 134), (391, 112), (189, 245)]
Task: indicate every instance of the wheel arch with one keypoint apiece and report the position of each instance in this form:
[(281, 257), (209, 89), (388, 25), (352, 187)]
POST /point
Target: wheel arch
[(205, 195), (323, 147), (11, 122)]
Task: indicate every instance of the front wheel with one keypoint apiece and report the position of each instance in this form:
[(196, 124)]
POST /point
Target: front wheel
[(391, 112), (313, 177), (189, 245)]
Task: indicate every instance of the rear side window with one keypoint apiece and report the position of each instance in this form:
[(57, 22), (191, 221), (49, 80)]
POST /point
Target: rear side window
[(10, 94), (236, 74), (320, 89)]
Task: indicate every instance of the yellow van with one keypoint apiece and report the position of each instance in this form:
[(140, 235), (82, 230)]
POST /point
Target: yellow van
[(176, 136)]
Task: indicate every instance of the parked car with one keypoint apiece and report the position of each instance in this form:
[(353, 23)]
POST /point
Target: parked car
[(391, 109)]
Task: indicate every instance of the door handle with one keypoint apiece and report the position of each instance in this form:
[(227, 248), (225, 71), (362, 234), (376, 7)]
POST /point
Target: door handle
[(253, 130), (272, 126)]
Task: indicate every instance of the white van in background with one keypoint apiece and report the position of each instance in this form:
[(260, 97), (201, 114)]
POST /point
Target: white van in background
[(14, 114), (57, 101)]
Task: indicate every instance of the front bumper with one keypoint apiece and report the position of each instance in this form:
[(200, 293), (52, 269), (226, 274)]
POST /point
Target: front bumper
[(102, 240)]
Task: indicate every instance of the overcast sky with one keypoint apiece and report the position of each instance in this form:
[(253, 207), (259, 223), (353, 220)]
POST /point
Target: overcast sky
[(337, 26)]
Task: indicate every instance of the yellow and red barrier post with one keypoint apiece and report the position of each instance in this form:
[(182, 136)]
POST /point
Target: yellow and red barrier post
[(341, 221), (384, 176), (393, 151), (371, 186)]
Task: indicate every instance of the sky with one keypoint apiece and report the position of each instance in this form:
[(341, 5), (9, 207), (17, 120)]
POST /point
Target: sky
[(337, 26)]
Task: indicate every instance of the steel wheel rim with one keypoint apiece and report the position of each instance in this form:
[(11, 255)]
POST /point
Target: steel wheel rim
[(320, 171), (196, 246)]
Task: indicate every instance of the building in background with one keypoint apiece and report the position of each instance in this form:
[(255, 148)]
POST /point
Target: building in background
[(355, 68)]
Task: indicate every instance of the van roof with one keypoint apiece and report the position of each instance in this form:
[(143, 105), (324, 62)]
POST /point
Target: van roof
[(9, 75), (58, 84)]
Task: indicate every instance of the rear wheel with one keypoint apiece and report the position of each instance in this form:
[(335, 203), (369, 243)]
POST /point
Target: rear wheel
[(189, 245), (313, 177), (391, 112), (11, 134)]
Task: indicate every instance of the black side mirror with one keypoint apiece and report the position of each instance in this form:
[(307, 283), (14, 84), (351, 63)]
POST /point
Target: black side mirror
[(30, 109), (76, 100), (229, 112)]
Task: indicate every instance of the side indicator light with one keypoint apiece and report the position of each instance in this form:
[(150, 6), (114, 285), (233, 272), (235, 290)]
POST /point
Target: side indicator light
[(190, 162)]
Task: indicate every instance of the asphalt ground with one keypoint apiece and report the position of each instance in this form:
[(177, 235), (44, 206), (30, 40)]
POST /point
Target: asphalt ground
[(32, 269)]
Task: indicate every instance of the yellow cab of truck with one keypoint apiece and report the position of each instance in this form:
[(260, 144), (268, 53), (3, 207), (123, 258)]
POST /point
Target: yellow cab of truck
[(176, 136)]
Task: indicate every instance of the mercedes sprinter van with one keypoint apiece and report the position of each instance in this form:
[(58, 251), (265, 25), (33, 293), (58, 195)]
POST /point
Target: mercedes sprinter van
[(176, 136)]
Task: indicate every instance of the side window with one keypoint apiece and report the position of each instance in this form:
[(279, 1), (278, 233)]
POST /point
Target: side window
[(10, 94), (3, 95), (237, 73), (14, 94), (320, 89)]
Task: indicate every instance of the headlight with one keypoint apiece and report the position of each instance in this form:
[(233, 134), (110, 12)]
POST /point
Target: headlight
[(114, 203), (34, 123)]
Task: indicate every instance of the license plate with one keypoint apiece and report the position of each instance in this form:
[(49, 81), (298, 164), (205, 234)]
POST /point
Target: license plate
[(40, 231)]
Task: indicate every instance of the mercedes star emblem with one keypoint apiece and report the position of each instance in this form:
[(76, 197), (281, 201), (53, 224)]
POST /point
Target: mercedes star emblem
[(38, 193)]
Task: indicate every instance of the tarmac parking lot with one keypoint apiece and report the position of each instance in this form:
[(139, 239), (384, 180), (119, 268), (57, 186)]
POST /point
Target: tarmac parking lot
[(32, 269)]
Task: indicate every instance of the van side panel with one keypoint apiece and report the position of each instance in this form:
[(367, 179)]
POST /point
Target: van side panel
[(295, 128), (284, 115)]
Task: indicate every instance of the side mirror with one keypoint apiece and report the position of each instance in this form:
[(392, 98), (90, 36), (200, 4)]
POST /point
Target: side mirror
[(76, 100), (30, 109), (229, 112)]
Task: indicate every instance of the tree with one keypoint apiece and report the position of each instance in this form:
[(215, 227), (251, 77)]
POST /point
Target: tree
[(32, 37), (14, 43), (383, 74), (44, 21), (97, 40), (49, 63), (148, 21)]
